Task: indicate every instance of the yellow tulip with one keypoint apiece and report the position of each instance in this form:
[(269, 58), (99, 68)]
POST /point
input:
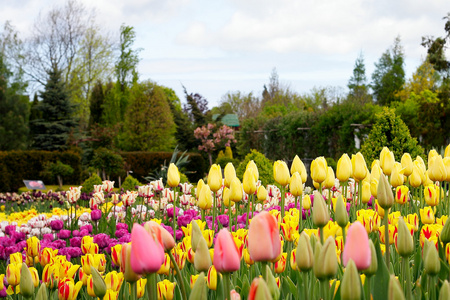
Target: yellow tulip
[(415, 180), (427, 180), (212, 278), (68, 290), (365, 197), (407, 164), (319, 169), (427, 215), (249, 182), (261, 194), (280, 265), (165, 267), (113, 280), (15, 258), (396, 175), (387, 161), (296, 186), (375, 172), (236, 190), (430, 192), (446, 161), (34, 276), (230, 174), (447, 151), (401, 194), (306, 202), (248, 260), (298, 166), (13, 273), (141, 284), (420, 163), (437, 170), (33, 246), (359, 167), (173, 176), (344, 168), (374, 187), (166, 290), (215, 178), (205, 198), (329, 181), (432, 153), (111, 295), (200, 185), (281, 173), (226, 197), (251, 165)]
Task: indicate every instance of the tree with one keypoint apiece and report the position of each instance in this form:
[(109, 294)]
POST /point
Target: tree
[(196, 108), (52, 130), (358, 82), (107, 161), (14, 109), (212, 138), (58, 170), (148, 124), (389, 131), (126, 65), (243, 105), (436, 48), (97, 99), (389, 74)]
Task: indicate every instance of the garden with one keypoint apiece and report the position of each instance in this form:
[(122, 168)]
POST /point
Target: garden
[(378, 231)]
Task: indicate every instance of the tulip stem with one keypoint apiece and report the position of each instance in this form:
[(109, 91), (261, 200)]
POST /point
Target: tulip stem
[(305, 283), (179, 278), (174, 218), (133, 290), (152, 290), (367, 287), (300, 227), (230, 220), (264, 270), (248, 210), (203, 215), (214, 214), (283, 194), (321, 234), (407, 272), (386, 235), (227, 285)]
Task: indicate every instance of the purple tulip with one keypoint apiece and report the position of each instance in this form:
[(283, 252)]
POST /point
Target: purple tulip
[(64, 234), (48, 236), (121, 232), (120, 226), (56, 225), (87, 227), (10, 229), (170, 212), (223, 219), (96, 215), (75, 242), (102, 240)]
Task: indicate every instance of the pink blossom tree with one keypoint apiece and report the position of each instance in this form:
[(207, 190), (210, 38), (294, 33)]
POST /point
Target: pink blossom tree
[(212, 138)]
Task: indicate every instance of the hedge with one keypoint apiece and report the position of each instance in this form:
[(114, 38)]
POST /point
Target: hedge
[(15, 166), (143, 163)]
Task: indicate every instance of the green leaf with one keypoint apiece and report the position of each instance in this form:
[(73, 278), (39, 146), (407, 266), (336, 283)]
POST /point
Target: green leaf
[(245, 286), (380, 289), (292, 286)]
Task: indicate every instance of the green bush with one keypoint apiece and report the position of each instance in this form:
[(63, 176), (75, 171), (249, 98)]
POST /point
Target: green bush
[(223, 161), (389, 131), (265, 167), (130, 183), (88, 185), (30, 163)]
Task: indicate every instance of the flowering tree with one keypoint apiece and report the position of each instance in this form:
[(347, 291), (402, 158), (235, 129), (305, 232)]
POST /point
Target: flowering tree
[(211, 138)]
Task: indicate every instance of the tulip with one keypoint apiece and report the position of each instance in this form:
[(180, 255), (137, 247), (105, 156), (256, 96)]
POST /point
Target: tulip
[(13, 273), (215, 178), (226, 255), (230, 174), (68, 290), (281, 173), (280, 265), (446, 161), (42, 293), (365, 192), (251, 165), (211, 279), (249, 182), (98, 283), (304, 253), (427, 215), (296, 186), (173, 175), (161, 234), (319, 169), (200, 185), (329, 181), (205, 198), (306, 202), (344, 168), (196, 235), (226, 198), (113, 281), (199, 287), (395, 291), (372, 269), (26, 282), (111, 295), (165, 267), (351, 283), (387, 161), (46, 256), (431, 261), (33, 246), (341, 214), (397, 177), (320, 215), (325, 259), (143, 243), (404, 241), (415, 180), (359, 167), (116, 254), (259, 290), (374, 187), (264, 238), (444, 293), (261, 194), (357, 247), (401, 194), (437, 170), (236, 190), (385, 196), (431, 197), (375, 172), (407, 164), (202, 260)]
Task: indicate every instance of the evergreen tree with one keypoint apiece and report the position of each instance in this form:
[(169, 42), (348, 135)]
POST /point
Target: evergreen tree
[(96, 104), (196, 108), (14, 108), (358, 82), (148, 124), (389, 75), (52, 130)]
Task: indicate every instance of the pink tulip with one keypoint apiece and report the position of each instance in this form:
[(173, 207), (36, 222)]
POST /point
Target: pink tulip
[(226, 254), (264, 238), (357, 246), (147, 254), (161, 234)]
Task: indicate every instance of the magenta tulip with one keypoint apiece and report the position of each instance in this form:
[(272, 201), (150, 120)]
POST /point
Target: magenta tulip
[(357, 246)]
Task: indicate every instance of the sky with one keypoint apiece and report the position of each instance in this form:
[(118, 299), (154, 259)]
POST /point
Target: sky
[(217, 46)]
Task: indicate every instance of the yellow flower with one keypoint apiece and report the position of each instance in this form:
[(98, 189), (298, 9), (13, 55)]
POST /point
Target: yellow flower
[(215, 178), (173, 175), (415, 180), (329, 181), (165, 267), (211, 279), (166, 290), (251, 165), (13, 273), (261, 194), (68, 290), (397, 177), (280, 265), (236, 190), (319, 169), (205, 199), (289, 229), (34, 276), (413, 220), (249, 182), (33, 246), (359, 167), (281, 173), (366, 220), (427, 215), (387, 161), (248, 260), (141, 287), (230, 174), (113, 280), (401, 194), (392, 231), (306, 203), (298, 166), (111, 295), (430, 193), (344, 168), (407, 164), (365, 197)]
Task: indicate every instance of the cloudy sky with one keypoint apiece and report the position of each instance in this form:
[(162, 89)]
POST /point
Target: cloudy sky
[(215, 46)]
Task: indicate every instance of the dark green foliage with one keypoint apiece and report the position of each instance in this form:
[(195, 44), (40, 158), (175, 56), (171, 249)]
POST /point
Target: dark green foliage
[(29, 164), (389, 75), (97, 101), (88, 184), (130, 184), (358, 87), (57, 170), (265, 167), (149, 124), (126, 65), (223, 161), (14, 110), (141, 163), (389, 131), (52, 130), (179, 159), (197, 108), (107, 161)]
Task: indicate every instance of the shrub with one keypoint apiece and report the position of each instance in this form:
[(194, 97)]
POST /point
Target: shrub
[(88, 185), (389, 130), (130, 183), (58, 170), (223, 161), (265, 167)]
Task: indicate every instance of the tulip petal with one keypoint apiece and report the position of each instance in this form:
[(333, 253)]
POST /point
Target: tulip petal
[(147, 255)]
